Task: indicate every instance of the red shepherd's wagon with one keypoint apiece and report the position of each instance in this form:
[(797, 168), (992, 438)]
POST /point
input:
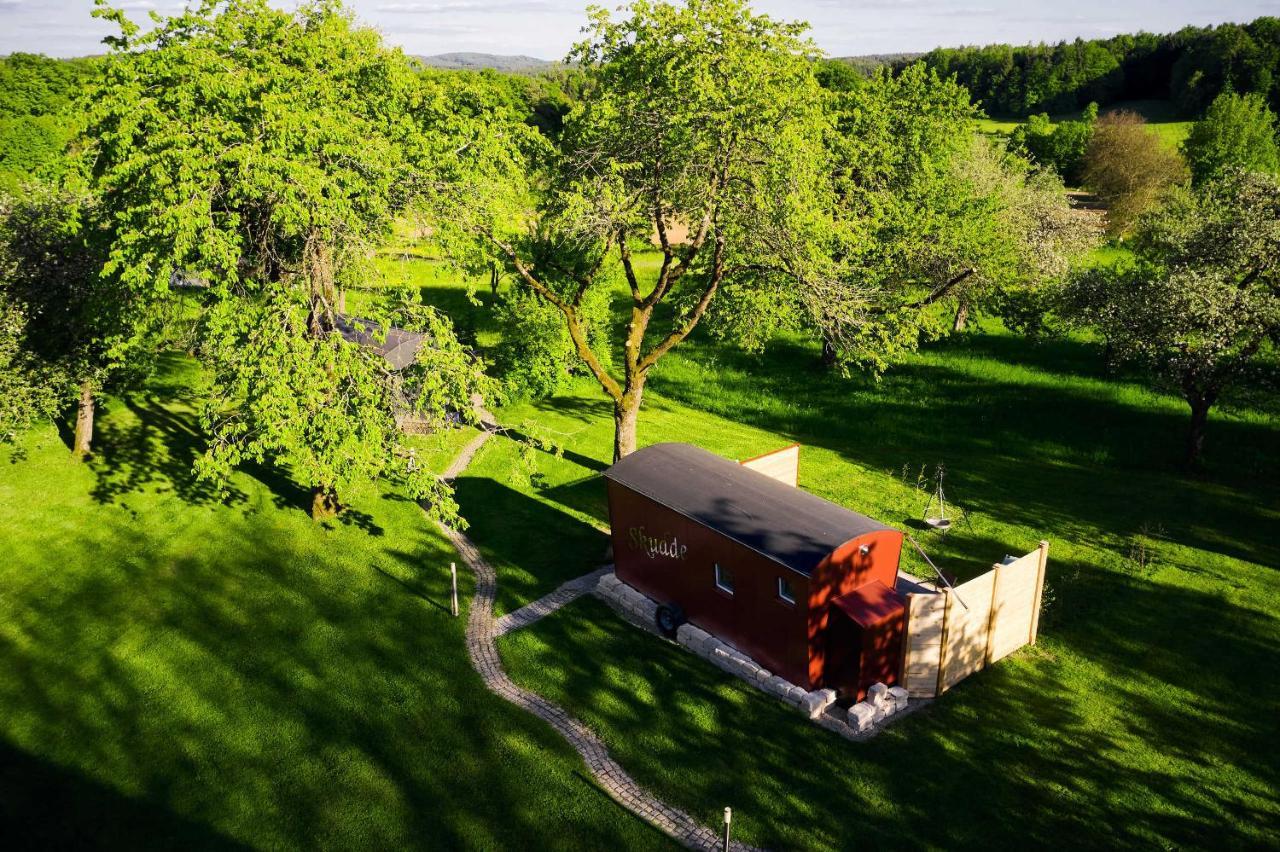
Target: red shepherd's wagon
[(802, 585)]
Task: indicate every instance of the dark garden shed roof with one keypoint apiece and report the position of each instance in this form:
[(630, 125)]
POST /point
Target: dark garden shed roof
[(400, 347), (785, 524)]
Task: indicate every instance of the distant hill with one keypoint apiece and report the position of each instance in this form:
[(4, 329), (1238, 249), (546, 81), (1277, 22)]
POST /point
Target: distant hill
[(480, 61), (868, 64), (880, 58)]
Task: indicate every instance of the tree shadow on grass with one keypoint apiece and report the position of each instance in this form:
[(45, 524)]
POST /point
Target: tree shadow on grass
[(286, 493), (415, 585), (1028, 453), (533, 545), (559, 451), (577, 408), (151, 440), (587, 495), (281, 690), (965, 556), (152, 443), (1019, 756), (934, 410), (43, 806)]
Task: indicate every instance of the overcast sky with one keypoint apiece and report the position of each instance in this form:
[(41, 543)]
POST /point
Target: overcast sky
[(546, 28)]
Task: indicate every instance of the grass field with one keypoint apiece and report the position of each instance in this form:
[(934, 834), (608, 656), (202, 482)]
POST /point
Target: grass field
[(1133, 723), (179, 672), (218, 674), (1160, 116)]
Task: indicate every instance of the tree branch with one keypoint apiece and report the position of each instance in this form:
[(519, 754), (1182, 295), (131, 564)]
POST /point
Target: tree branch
[(625, 251), (664, 274), (577, 333), (942, 289), (682, 331)]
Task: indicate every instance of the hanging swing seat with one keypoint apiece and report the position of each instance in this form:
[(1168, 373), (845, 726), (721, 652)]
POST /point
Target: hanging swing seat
[(940, 521)]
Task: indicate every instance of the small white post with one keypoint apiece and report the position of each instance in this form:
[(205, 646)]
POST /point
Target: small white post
[(728, 818), (453, 577)]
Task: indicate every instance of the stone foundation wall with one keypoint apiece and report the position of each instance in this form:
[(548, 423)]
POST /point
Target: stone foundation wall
[(861, 721)]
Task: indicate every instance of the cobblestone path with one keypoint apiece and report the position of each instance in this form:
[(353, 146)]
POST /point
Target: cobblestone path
[(482, 633), (567, 593)]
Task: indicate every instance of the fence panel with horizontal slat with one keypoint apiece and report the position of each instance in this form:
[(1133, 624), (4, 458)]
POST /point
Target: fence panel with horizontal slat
[(925, 621), (964, 648), (1014, 605)]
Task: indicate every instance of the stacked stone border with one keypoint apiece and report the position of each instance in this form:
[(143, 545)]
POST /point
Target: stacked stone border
[(482, 647), (862, 721)]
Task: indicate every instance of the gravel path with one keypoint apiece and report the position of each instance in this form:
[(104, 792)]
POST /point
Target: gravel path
[(483, 630)]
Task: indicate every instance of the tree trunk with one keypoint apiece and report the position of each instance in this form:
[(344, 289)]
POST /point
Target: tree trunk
[(828, 353), (1195, 433), (83, 443), (625, 414), (342, 301), (962, 317), (324, 502)]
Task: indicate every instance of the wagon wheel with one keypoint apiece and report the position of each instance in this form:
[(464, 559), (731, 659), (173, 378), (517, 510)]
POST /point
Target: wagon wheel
[(668, 619)]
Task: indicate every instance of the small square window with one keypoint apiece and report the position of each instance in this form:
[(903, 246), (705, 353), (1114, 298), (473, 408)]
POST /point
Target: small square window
[(724, 579), (785, 592)]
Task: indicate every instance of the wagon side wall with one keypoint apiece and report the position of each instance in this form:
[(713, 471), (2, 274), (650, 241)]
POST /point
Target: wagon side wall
[(672, 559)]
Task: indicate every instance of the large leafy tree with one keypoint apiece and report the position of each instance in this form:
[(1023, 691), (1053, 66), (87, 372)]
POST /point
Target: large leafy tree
[(1237, 132), (701, 128), (67, 330), (38, 115), (934, 214), (265, 154), (1009, 226), (1201, 303), (896, 141)]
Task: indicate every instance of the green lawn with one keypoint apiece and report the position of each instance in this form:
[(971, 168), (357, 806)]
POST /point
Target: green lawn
[(218, 674), (1039, 752), (179, 672), (1038, 442), (1107, 255), (1140, 719)]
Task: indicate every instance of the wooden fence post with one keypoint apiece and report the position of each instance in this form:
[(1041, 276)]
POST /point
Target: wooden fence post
[(942, 649), (906, 643), (453, 578), (991, 613), (1035, 610)]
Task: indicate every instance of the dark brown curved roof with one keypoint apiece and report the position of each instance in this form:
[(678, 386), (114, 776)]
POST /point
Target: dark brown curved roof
[(789, 526), (397, 346)]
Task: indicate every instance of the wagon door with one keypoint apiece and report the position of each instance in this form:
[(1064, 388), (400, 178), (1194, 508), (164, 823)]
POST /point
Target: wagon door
[(866, 624), (842, 661)]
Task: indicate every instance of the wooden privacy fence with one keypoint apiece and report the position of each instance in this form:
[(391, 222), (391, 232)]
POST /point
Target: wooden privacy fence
[(782, 465), (953, 633)]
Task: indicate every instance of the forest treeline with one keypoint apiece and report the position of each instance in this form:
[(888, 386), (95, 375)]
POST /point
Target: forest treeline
[(36, 94), (1190, 67)]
